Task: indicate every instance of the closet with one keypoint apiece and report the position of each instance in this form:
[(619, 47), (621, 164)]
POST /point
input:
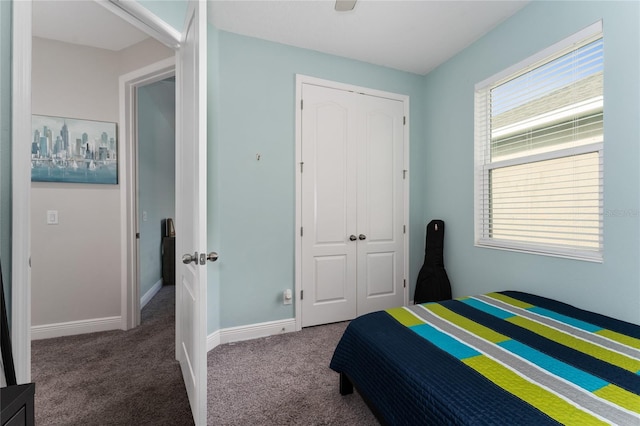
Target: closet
[(352, 201)]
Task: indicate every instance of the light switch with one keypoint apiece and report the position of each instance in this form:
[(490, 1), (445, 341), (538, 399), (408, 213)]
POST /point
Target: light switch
[(144, 215), (52, 217)]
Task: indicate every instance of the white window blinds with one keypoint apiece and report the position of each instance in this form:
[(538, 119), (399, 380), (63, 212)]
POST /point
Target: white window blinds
[(539, 150)]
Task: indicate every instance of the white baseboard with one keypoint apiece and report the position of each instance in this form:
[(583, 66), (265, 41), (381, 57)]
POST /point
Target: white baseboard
[(226, 335), (251, 331), (71, 328), (150, 293), (213, 340)]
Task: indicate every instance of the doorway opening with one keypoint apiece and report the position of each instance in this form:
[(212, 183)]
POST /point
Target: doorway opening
[(147, 108), (76, 256)]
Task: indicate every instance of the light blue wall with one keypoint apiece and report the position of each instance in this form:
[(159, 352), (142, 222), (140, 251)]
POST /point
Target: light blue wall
[(256, 200), (613, 287), (5, 148), (156, 173), (173, 12)]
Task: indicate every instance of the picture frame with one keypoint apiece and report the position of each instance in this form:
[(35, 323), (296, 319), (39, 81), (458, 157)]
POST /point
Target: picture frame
[(71, 150)]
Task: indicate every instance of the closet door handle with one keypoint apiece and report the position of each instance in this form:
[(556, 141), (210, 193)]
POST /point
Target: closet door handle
[(352, 238), (362, 237)]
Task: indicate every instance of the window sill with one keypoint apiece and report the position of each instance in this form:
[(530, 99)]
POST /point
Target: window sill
[(573, 254)]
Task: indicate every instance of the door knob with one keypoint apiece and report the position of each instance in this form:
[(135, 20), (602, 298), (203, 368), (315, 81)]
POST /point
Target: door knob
[(212, 257), (362, 237), (353, 238), (188, 258)]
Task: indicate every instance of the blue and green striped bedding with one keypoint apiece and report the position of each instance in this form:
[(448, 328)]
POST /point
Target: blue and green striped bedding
[(500, 358)]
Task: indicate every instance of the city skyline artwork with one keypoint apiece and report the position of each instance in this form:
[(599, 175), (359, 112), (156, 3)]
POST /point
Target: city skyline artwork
[(73, 150)]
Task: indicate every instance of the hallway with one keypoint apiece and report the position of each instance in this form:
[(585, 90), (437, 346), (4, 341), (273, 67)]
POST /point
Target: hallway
[(114, 377)]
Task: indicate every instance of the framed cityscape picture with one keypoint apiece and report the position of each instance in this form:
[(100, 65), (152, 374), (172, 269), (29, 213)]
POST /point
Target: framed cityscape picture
[(73, 151)]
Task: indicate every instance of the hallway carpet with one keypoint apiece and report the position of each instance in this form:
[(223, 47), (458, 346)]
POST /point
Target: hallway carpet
[(113, 377)]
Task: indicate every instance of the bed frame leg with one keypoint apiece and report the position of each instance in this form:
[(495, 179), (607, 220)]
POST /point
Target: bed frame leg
[(346, 387)]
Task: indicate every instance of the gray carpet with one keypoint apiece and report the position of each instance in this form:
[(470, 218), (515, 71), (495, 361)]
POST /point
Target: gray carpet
[(114, 377), (281, 380), (132, 378)]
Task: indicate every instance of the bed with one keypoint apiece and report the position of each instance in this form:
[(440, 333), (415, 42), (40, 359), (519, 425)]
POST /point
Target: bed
[(504, 358)]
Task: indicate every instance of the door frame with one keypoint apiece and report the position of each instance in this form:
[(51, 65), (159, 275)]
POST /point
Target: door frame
[(21, 190), (302, 79), (130, 226)]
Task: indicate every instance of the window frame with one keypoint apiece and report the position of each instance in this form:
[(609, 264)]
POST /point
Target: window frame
[(482, 147)]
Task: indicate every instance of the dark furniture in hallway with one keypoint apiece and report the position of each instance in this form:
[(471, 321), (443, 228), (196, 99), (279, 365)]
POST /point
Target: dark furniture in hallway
[(16, 401), (17, 405)]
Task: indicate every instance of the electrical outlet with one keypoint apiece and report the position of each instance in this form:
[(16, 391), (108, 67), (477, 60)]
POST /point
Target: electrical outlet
[(287, 297)]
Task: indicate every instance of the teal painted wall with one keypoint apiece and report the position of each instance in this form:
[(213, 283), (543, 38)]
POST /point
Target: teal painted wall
[(613, 287), (5, 148), (254, 112), (156, 173), (173, 12)]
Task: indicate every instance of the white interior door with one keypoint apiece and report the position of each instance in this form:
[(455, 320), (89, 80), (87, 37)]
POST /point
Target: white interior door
[(380, 257), (191, 210), (352, 204), (328, 205)]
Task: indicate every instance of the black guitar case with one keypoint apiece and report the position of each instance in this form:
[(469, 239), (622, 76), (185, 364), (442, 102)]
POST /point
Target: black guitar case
[(433, 283)]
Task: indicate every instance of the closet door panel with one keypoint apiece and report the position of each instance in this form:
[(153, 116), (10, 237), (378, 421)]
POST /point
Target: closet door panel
[(330, 278), (331, 174), (328, 206), (380, 147), (378, 187), (380, 280)]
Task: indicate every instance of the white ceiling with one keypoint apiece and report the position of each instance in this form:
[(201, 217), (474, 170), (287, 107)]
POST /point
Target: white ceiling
[(408, 35), (83, 22)]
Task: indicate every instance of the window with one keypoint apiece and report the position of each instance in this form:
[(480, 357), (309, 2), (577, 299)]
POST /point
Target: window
[(538, 152)]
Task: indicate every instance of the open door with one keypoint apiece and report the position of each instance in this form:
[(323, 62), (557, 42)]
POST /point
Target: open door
[(191, 209)]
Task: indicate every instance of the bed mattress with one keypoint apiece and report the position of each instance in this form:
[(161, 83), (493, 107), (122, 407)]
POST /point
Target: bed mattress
[(502, 358)]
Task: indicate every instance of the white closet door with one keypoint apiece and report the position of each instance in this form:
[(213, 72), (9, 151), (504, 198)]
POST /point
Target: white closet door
[(352, 201), (380, 254), (328, 205)]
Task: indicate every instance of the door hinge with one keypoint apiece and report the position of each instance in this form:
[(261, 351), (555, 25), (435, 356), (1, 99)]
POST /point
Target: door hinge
[(404, 174), (405, 283), (404, 229), (301, 294), (404, 120), (301, 231), (301, 166), (301, 104), (137, 235)]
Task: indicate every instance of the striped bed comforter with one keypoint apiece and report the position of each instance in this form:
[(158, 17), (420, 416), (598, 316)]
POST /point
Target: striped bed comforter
[(500, 358)]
